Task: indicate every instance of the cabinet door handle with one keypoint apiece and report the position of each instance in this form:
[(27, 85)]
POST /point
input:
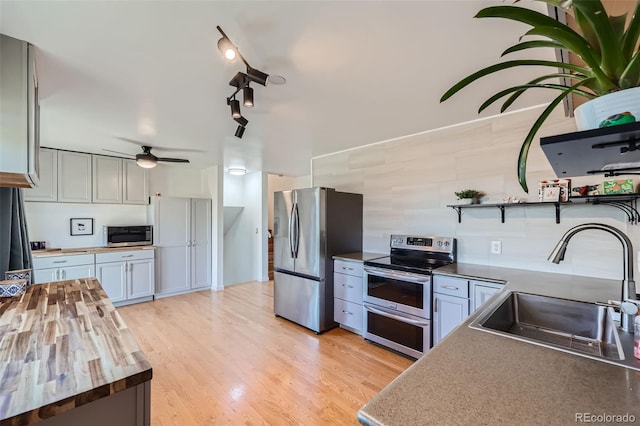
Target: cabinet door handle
[(129, 255), (59, 261), (64, 274), (347, 285), (347, 269), (435, 307), (57, 275), (450, 287), (347, 312)]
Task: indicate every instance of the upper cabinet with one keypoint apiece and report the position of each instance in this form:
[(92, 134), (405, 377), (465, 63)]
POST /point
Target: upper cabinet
[(19, 114), (47, 190), (107, 179), (135, 183), (77, 177), (74, 177)]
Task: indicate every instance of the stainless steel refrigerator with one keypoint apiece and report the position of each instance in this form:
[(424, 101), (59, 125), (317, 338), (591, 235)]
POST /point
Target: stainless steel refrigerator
[(311, 226)]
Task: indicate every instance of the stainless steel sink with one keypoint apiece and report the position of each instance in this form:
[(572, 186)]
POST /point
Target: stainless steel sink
[(580, 328)]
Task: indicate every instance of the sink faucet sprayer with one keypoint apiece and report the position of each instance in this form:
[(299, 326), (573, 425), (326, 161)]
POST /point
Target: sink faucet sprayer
[(628, 285)]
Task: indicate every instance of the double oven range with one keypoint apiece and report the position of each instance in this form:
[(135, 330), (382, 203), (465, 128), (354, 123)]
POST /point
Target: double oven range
[(397, 292)]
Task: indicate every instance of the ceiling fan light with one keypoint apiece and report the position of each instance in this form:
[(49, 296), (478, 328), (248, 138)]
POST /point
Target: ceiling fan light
[(257, 76), (235, 108), (239, 132), (237, 171), (248, 97), (146, 163), (228, 50)]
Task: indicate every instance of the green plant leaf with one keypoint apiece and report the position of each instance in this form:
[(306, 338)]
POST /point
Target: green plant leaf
[(522, 88), (587, 30), (509, 64), (532, 44), (580, 47), (521, 14), (631, 36), (517, 94), (526, 144), (631, 75), (612, 59)]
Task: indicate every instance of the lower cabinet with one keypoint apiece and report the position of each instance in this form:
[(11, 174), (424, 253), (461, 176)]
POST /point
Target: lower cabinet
[(127, 276), (347, 294), (482, 292), (448, 313), (60, 268)]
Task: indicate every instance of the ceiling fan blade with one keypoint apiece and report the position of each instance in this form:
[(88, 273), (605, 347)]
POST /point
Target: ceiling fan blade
[(173, 160), (118, 152), (159, 148), (131, 141)]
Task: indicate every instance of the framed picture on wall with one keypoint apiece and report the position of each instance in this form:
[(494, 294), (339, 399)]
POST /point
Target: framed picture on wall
[(81, 226)]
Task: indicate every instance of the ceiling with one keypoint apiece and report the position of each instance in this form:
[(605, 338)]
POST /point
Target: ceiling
[(357, 72)]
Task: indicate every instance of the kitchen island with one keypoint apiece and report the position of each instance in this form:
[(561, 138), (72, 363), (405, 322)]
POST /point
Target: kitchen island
[(474, 377), (67, 358)]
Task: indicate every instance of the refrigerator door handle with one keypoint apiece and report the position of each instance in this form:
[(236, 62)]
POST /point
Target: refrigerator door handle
[(291, 232), (297, 229)]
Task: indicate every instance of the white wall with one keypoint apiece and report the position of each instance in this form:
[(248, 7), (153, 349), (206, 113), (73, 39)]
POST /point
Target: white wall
[(408, 182), (50, 221), (283, 183), (245, 244)]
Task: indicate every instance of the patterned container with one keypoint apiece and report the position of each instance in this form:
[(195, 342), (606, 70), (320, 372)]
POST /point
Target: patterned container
[(19, 274), (10, 288)]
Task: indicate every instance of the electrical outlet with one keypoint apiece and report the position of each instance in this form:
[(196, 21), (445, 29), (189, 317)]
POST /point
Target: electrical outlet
[(496, 247)]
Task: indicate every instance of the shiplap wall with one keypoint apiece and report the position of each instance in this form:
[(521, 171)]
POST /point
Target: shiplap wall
[(408, 182)]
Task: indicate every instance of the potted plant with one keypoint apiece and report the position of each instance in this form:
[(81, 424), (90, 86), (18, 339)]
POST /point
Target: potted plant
[(607, 47), (468, 196)]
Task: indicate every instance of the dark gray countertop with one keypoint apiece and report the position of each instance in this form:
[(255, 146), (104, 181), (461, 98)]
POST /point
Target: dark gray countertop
[(359, 256), (473, 377)]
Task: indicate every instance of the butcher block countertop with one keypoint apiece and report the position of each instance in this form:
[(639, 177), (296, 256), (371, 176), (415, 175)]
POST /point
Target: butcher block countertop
[(63, 345), (87, 250)]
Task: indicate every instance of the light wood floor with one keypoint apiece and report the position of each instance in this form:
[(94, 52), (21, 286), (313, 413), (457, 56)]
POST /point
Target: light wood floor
[(224, 358)]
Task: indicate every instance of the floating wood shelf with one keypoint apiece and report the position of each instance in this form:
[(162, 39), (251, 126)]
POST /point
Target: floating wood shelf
[(628, 203)]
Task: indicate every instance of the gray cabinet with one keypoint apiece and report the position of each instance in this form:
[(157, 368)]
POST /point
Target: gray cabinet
[(135, 183), (47, 189), (450, 305), (182, 236), (74, 177), (19, 132), (127, 276), (347, 292), (60, 268), (481, 292), (107, 179)]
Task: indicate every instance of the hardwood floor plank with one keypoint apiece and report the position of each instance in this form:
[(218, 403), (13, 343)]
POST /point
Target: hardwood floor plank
[(224, 358)]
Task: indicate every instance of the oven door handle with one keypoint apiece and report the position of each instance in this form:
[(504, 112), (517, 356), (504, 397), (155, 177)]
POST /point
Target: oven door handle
[(396, 317), (414, 278)]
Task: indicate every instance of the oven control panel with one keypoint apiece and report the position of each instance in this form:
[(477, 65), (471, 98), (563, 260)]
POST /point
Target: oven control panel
[(426, 243)]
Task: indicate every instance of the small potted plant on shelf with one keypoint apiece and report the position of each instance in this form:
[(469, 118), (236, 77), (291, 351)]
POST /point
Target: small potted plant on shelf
[(468, 196)]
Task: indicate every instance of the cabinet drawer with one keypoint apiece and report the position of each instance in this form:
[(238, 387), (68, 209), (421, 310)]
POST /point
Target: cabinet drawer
[(62, 261), (458, 287), (347, 313), (349, 268), (120, 256), (347, 287)]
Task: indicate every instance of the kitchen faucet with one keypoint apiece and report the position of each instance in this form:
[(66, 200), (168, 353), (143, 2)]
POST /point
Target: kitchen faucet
[(628, 285)]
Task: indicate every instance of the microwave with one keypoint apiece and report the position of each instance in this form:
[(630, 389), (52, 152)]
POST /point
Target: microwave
[(125, 236)]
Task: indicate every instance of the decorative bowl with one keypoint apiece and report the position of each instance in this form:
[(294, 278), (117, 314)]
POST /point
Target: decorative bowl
[(10, 288)]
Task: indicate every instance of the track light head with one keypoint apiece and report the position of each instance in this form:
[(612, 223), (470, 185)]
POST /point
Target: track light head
[(235, 108), (242, 121), (239, 132), (257, 76), (228, 50), (248, 96)]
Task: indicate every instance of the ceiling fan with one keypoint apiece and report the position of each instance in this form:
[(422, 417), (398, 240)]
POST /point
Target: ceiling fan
[(147, 160)]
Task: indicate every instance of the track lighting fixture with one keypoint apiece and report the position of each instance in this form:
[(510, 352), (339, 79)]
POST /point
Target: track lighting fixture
[(248, 96), (242, 81), (242, 121), (235, 108)]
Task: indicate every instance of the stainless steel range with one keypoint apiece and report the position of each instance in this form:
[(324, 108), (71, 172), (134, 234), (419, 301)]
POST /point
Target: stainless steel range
[(397, 292)]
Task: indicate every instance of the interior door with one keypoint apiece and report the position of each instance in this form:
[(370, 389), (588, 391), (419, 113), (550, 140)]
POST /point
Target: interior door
[(307, 204), (282, 254)]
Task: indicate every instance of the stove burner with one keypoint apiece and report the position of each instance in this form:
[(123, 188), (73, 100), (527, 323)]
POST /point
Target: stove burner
[(417, 254)]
